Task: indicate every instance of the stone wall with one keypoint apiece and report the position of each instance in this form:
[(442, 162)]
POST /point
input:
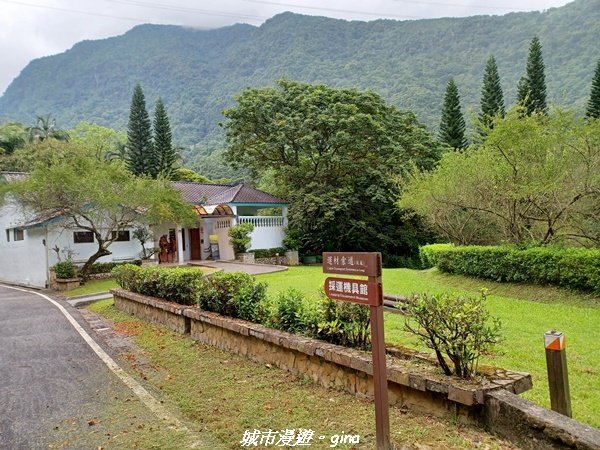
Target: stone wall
[(410, 385), (536, 428), (493, 403), (153, 310)]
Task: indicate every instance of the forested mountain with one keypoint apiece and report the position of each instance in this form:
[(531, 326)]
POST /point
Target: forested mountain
[(198, 72)]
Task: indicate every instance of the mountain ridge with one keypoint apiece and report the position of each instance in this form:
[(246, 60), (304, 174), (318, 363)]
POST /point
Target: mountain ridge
[(197, 72)]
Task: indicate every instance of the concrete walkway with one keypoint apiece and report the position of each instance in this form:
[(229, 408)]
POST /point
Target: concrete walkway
[(54, 388), (233, 266)]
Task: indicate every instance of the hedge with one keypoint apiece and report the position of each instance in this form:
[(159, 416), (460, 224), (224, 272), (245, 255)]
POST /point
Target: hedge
[(107, 267), (575, 268), (238, 295), (178, 284), (268, 252)]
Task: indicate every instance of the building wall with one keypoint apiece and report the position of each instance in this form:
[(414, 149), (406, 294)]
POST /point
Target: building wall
[(27, 261), (268, 231), (62, 238), (21, 262)]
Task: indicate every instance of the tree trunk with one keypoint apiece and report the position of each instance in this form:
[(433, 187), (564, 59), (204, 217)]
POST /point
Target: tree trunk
[(83, 273)]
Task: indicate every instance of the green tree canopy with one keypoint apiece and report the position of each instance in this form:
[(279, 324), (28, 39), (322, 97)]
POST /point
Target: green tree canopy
[(492, 98), (536, 179), (593, 106), (98, 196), (140, 154), (452, 125), (532, 88), (12, 136), (165, 154), (333, 154), (45, 129)]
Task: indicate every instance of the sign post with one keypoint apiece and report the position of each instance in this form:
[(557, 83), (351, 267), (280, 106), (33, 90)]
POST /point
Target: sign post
[(368, 293), (558, 376)]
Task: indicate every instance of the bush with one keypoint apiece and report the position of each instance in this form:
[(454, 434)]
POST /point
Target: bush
[(397, 261), (428, 254), (456, 326), (574, 268), (177, 284), (239, 237), (268, 252), (345, 324), (64, 269), (107, 267), (233, 294), (286, 312)]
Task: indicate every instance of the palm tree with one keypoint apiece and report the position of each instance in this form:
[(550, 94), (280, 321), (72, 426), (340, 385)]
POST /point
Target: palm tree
[(45, 129)]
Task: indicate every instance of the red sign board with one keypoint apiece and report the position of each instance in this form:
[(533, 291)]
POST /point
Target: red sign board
[(352, 263), (356, 291)]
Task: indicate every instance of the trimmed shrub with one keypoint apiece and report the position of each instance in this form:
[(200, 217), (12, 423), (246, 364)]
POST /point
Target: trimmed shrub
[(233, 294), (454, 326), (428, 254), (127, 276), (107, 267), (575, 268), (345, 324), (268, 252), (64, 269), (177, 284), (286, 313)]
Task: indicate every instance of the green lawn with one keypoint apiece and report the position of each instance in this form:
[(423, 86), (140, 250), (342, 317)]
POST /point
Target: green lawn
[(92, 287), (526, 312)]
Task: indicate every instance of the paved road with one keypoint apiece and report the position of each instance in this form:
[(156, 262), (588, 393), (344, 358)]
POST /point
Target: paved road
[(55, 392)]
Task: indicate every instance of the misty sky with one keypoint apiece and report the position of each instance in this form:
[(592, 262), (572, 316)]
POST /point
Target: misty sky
[(33, 28)]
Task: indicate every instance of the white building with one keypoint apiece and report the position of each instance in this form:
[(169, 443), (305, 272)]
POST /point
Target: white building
[(28, 248)]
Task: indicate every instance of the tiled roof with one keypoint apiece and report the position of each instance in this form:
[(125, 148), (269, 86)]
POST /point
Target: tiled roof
[(216, 194)]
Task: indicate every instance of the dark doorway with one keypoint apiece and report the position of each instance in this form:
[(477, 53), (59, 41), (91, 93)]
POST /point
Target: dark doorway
[(195, 248)]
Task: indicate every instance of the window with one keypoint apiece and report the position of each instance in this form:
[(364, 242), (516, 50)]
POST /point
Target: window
[(19, 235), (7, 235), (83, 237), (121, 236)]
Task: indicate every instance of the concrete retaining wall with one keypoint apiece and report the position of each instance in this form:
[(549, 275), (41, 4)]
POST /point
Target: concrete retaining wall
[(492, 404)]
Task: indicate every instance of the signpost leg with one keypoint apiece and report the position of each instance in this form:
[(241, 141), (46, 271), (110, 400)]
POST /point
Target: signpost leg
[(382, 419)]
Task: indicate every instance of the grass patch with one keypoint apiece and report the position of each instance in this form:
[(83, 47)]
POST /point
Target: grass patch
[(92, 287), (224, 394), (526, 311)]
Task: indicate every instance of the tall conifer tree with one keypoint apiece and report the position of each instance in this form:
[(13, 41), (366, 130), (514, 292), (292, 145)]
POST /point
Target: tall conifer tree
[(532, 88), (593, 106), (452, 125), (166, 156), (140, 152), (492, 98)]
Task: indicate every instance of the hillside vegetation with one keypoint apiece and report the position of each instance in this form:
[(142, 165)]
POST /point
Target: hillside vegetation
[(198, 72)]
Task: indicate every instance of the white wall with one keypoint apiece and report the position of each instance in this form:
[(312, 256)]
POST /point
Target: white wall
[(63, 238), (22, 262), (268, 231), (27, 261)]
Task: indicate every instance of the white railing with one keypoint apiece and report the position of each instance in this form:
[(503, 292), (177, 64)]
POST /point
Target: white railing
[(222, 223), (262, 221)]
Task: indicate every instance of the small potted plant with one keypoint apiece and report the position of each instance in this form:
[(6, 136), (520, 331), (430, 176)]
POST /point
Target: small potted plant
[(291, 243), (239, 237), (65, 273)]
